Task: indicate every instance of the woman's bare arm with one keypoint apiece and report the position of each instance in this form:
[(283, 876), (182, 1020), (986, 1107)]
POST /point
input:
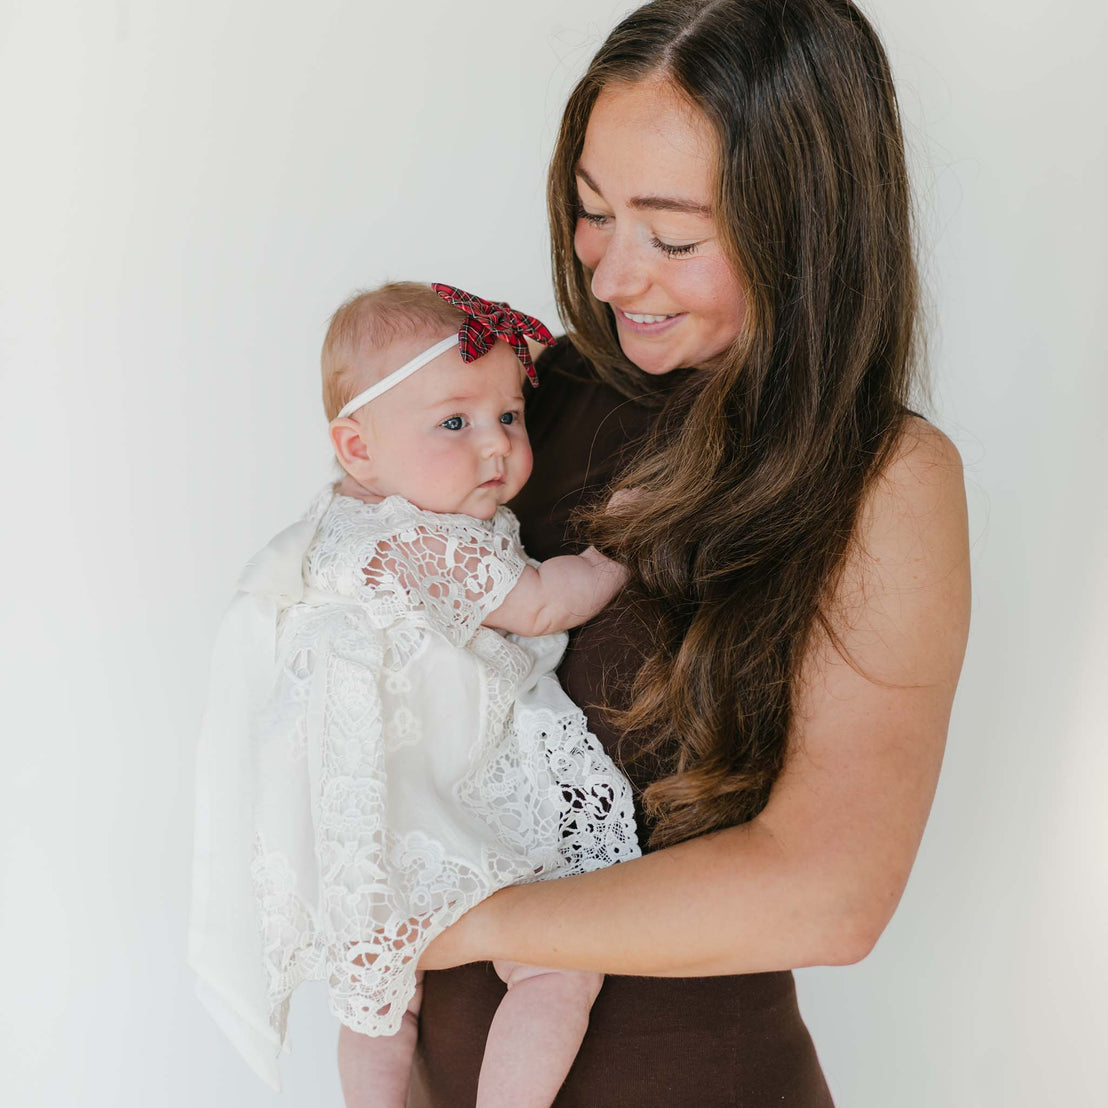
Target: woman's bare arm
[(814, 879)]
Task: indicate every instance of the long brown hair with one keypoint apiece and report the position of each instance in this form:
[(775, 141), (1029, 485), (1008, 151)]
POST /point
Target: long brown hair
[(756, 473)]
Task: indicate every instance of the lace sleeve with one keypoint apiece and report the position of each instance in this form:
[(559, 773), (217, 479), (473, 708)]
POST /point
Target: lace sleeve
[(458, 572)]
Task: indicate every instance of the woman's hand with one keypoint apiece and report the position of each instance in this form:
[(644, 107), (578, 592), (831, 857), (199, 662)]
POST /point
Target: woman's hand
[(461, 942)]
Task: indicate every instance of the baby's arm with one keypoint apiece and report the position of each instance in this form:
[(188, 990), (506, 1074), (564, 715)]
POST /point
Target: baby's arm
[(561, 593)]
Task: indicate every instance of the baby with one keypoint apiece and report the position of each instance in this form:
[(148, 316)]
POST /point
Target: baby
[(391, 745)]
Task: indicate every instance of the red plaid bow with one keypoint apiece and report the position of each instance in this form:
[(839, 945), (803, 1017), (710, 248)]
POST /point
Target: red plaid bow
[(487, 319)]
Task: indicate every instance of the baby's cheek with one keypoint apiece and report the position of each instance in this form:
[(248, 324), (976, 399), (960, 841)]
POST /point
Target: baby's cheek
[(431, 467), (524, 459)]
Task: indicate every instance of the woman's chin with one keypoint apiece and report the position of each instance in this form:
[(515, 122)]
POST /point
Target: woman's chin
[(654, 362)]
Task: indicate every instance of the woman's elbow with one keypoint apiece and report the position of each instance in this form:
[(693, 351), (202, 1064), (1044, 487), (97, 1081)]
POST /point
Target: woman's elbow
[(846, 924), (850, 945), (857, 929)]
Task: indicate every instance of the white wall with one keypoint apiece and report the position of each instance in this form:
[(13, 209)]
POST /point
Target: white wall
[(189, 189)]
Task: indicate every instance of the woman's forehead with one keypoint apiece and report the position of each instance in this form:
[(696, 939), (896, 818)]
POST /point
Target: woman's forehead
[(647, 141)]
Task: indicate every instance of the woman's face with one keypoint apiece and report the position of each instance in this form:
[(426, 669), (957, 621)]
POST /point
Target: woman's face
[(646, 228)]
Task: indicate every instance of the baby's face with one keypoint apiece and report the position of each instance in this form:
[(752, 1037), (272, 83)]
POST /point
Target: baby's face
[(451, 437)]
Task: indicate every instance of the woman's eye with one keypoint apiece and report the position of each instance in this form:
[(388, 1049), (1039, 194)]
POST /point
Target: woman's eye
[(509, 417), (454, 423), (593, 218), (671, 250)]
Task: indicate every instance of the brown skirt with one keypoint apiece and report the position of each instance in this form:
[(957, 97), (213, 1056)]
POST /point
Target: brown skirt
[(712, 1042)]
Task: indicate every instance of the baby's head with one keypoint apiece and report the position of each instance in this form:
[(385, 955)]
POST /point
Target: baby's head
[(449, 437)]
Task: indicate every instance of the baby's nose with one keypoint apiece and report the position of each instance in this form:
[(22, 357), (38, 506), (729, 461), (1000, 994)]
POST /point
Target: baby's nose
[(496, 441)]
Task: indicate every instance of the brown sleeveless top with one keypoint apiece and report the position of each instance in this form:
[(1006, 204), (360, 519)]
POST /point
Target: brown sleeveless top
[(652, 1042)]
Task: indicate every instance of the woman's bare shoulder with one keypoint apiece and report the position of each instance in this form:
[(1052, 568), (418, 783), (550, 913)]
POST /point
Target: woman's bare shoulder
[(924, 464), (902, 603)]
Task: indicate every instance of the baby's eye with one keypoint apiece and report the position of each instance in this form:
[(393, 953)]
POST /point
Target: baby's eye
[(509, 417), (454, 423)]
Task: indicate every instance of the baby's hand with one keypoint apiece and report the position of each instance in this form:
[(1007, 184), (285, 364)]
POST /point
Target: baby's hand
[(563, 592)]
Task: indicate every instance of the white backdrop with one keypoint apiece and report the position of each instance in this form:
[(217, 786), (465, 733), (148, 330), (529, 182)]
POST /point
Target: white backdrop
[(189, 189)]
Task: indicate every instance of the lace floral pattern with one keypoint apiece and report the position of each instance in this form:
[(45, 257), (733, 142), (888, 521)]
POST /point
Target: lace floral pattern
[(455, 568), (440, 759)]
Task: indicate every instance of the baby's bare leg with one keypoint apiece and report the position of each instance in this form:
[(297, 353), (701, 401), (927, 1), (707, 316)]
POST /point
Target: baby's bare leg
[(534, 1035), (375, 1070)]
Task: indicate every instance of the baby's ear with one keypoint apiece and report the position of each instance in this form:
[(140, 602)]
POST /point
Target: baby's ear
[(350, 447)]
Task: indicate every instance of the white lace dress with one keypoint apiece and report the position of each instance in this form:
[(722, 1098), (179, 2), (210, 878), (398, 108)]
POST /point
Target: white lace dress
[(387, 764)]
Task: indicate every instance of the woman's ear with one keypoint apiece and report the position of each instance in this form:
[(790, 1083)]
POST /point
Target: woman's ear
[(351, 449)]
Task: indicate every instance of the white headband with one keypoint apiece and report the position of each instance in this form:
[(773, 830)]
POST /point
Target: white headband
[(398, 375)]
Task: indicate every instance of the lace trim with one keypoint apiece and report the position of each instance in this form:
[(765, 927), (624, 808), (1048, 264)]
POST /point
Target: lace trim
[(395, 558)]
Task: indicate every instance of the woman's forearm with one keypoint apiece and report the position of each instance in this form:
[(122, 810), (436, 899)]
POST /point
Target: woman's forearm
[(728, 902)]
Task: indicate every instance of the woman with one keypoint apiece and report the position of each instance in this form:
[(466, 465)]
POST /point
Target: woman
[(733, 261)]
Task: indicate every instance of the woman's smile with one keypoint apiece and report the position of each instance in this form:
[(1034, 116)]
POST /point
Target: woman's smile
[(643, 324)]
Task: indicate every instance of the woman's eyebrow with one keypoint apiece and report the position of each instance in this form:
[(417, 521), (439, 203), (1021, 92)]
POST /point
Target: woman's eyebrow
[(653, 203)]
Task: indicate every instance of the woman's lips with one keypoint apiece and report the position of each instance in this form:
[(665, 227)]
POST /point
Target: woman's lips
[(623, 320)]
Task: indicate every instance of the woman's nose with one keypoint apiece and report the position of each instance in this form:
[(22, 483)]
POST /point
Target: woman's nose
[(619, 275)]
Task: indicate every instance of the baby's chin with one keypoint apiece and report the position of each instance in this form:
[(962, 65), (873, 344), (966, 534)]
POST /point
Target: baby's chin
[(479, 503), (476, 507), (486, 504), (482, 511)]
